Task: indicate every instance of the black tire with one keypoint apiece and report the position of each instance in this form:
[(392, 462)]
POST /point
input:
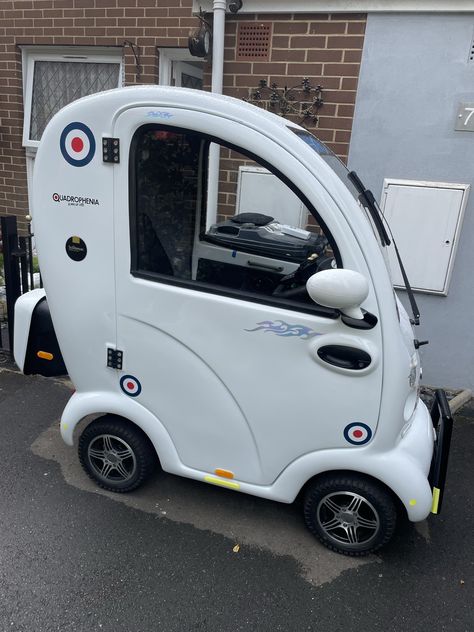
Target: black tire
[(117, 455), (349, 513)]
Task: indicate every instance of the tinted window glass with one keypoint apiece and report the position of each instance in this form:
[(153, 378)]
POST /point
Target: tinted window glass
[(256, 239)]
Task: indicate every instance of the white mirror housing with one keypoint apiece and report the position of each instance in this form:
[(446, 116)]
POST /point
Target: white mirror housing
[(340, 289)]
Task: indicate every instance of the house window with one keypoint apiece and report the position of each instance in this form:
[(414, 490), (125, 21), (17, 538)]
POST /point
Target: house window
[(53, 78), (245, 254), (177, 67)]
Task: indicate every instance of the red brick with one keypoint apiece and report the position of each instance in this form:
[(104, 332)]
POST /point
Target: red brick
[(345, 41), (345, 110), (308, 41), (324, 55), (354, 56), (341, 70), (339, 96), (348, 16), (281, 54), (290, 27), (281, 41), (327, 28), (269, 68), (305, 70), (349, 83), (356, 28), (334, 122)]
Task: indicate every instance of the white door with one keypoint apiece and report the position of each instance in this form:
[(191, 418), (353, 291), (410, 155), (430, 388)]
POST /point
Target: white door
[(230, 368)]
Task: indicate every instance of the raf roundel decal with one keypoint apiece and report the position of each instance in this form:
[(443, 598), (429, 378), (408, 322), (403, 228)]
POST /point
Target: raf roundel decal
[(130, 385), (77, 144), (357, 433)]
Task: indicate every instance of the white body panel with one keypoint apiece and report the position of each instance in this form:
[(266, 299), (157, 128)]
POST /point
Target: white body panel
[(24, 307), (219, 389)]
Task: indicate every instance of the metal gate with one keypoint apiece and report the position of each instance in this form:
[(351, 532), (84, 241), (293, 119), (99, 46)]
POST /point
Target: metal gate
[(16, 275)]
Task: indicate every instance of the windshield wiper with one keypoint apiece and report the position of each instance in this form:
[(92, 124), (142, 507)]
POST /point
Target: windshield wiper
[(367, 198)]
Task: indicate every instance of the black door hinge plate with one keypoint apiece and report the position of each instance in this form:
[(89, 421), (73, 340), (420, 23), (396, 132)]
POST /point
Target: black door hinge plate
[(114, 358), (111, 150)]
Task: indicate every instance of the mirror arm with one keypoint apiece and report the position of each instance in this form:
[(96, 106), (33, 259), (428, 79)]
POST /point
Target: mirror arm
[(367, 322)]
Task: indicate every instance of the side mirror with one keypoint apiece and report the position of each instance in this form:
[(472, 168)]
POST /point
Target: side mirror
[(340, 289)]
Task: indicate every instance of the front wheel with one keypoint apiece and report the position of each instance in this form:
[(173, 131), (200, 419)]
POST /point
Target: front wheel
[(117, 455), (349, 513)]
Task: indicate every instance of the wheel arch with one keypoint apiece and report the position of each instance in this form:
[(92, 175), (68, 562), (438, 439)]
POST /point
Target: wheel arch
[(348, 472), (83, 408)]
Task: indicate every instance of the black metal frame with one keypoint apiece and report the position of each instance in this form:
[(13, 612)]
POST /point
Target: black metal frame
[(18, 267), (443, 424)]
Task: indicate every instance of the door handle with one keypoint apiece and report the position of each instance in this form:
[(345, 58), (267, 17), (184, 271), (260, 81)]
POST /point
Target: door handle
[(345, 357)]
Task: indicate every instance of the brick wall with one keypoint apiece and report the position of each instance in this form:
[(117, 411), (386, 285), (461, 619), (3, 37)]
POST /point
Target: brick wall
[(325, 48), (81, 23)]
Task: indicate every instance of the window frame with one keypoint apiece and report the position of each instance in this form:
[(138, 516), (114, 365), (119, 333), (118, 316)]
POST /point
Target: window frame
[(209, 288), (32, 54)]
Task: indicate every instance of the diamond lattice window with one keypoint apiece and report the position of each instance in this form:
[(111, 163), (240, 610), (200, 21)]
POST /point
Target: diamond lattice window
[(57, 83)]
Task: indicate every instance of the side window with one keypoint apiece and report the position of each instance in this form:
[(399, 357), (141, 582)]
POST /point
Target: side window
[(261, 242)]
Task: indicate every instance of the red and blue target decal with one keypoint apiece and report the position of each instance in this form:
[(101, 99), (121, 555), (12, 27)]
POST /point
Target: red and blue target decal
[(130, 385), (357, 433), (77, 144)]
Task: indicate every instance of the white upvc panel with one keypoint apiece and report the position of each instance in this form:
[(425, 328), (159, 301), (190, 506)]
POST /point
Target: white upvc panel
[(425, 219), (259, 191)]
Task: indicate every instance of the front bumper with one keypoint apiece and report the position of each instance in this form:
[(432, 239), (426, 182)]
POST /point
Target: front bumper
[(443, 425)]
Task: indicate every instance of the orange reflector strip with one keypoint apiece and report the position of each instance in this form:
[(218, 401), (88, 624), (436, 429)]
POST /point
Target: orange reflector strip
[(224, 473), (44, 355)]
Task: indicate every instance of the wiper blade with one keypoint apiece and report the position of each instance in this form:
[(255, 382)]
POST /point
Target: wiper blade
[(368, 200)]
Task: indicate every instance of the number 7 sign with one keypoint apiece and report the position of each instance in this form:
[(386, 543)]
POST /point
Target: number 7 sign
[(465, 118)]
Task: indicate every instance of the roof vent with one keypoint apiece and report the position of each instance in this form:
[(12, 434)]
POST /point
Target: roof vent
[(253, 41)]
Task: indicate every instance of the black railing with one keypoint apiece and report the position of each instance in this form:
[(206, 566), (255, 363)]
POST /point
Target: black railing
[(18, 274)]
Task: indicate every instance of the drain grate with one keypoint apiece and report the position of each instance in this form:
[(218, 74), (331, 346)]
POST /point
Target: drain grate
[(253, 41)]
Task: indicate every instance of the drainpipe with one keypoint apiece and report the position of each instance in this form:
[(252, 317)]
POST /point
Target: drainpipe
[(218, 30)]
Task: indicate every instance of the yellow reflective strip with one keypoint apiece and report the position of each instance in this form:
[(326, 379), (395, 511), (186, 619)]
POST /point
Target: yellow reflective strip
[(218, 481), (436, 495), (45, 355)]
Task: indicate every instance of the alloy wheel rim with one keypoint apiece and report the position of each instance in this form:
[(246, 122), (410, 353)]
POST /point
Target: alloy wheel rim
[(112, 458), (348, 519)]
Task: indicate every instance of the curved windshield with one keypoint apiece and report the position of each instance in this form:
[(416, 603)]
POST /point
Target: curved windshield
[(366, 200), (346, 176)]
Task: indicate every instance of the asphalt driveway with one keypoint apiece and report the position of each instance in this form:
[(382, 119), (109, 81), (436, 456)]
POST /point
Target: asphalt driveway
[(73, 557)]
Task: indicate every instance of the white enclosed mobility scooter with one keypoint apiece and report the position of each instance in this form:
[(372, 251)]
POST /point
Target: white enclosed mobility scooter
[(207, 333)]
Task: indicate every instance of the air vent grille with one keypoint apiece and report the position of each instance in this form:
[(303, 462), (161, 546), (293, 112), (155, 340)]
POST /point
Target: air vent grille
[(253, 41)]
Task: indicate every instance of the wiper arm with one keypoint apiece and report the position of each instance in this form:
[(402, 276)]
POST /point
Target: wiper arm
[(368, 200)]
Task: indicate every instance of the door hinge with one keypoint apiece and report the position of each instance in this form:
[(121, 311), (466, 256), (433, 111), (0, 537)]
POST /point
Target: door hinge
[(111, 150), (114, 358)]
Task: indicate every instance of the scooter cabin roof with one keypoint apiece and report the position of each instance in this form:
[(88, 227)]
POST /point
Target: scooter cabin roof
[(97, 114)]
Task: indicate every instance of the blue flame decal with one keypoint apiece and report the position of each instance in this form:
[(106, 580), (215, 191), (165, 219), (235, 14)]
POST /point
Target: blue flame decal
[(280, 328)]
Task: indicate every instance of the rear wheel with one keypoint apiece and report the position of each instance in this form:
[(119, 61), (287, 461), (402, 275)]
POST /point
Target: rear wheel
[(350, 514), (115, 454)]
